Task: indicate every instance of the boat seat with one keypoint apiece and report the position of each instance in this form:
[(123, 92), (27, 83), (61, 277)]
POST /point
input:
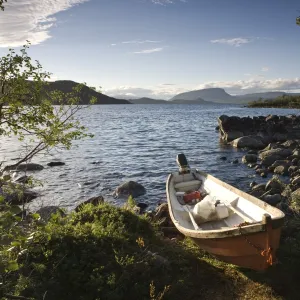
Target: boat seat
[(188, 185)]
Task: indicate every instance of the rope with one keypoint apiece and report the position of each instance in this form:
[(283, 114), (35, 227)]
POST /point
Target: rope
[(268, 254)]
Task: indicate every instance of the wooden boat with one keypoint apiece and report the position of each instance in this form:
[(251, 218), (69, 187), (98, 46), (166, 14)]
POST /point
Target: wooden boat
[(248, 237)]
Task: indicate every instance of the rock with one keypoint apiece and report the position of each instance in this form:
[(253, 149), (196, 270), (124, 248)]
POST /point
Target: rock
[(264, 174), (232, 135), (158, 260), (235, 161), (270, 156), (46, 212), (55, 163), (269, 160), (270, 146), (293, 169), (290, 144), (282, 152), (16, 195), (94, 201), (259, 171), (296, 153), (248, 142), (142, 206), (258, 190), (223, 158), (23, 179), (252, 184), (272, 199), (273, 118), (296, 180), (277, 163), (280, 137), (295, 161), (25, 167), (130, 188), (281, 170), (162, 215), (274, 184), (252, 152), (217, 128), (252, 165), (257, 167), (249, 158)]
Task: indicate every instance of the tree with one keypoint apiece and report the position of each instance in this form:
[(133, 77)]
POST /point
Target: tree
[(1, 4), (27, 110)]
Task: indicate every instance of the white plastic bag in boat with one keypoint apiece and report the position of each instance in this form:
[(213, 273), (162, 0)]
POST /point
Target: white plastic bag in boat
[(222, 211), (208, 210)]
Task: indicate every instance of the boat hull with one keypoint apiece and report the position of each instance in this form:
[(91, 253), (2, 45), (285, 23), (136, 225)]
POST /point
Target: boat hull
[(248, 251)]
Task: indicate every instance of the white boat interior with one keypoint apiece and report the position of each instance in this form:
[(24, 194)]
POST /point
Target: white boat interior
[(240, 210)]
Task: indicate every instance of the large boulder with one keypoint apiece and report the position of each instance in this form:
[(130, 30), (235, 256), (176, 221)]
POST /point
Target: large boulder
[(253, 142), (55, 163), (16, 194), (268, 157), (277, 163), (274, 185), (47, 211), (272, 199), (25, 167), (94, 201), (232, 135), (282, 152), (280, 137), (130, 188), (281, 170), (249, 158)]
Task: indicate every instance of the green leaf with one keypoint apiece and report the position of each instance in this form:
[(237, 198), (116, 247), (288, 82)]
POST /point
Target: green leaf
[(15, 209), (36, 216), (15, 243), (12, 266)]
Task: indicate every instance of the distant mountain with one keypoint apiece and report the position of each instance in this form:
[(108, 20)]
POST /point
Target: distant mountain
[(212, 95), (195, 101), (66, 86), (218, 95), (146, 100)]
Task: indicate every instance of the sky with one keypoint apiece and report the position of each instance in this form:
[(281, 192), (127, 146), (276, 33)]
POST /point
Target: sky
[(159, 48)]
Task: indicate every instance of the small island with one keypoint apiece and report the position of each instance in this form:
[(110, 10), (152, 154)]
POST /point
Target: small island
[(284, 101)]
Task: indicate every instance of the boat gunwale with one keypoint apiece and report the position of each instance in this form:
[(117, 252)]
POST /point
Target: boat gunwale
[(276, 221)]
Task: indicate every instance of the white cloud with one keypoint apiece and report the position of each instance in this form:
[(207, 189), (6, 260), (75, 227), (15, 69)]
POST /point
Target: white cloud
[(149, 51), (156, 92), (166, 2), (167, 91), (140, 42), (30, 20), (265, 69), (255, 85), (236, 42)]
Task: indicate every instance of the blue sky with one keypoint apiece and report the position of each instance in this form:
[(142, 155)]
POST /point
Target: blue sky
[(158, 48)]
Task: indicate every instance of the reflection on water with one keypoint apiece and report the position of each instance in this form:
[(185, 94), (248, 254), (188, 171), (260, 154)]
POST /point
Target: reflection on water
[(139, 142)]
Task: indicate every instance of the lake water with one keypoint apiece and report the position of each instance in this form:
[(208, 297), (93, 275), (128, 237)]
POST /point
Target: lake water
[(140, 143)]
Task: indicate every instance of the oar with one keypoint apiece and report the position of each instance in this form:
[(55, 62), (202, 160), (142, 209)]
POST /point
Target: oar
[(191, 217)]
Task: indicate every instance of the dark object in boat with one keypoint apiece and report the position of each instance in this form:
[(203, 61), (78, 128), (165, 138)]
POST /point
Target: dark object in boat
[(182, 164)]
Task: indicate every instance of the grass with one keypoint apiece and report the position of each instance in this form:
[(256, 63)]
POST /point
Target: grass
[(105, 252), (285, 101)]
